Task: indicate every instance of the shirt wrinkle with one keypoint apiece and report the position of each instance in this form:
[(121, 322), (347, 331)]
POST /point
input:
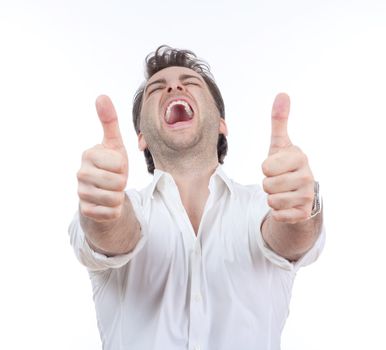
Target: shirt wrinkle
[(222, 289)]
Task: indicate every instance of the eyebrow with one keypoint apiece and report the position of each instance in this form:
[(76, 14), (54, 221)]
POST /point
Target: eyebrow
[(182, 77), (188, 76), (158, 81)]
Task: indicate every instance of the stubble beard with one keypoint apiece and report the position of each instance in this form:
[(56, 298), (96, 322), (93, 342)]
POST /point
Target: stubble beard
[(171, 151)]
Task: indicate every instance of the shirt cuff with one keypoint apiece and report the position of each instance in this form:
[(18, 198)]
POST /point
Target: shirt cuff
[(95, 261), (259, 211)]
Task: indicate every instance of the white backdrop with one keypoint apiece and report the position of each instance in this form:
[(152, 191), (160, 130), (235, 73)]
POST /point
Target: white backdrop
[(58, 56)]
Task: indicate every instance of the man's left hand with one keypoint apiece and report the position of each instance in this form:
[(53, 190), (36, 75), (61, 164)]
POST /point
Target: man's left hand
[(289, 181)]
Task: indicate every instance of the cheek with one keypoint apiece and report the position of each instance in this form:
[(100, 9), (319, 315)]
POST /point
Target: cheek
[(207, 105), (212, 105), (149, 115), (212, 111)]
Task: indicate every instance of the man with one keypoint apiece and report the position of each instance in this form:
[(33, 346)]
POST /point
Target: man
[(195, 260)]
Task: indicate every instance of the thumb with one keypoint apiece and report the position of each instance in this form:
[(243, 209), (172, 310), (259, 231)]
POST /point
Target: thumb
[(279, 134), (107, 115)]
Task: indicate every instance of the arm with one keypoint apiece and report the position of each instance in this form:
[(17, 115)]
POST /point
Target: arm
[(291, 241), (106, 214), (115, 237)]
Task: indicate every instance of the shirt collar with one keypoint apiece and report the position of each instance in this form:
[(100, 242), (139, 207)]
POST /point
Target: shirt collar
[(218, 178), (219, 174)]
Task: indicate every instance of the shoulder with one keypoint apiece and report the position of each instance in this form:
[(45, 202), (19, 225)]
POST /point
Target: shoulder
[(247, 192), (140, 196)]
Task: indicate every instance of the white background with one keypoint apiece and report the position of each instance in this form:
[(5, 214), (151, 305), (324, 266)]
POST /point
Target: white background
[(57, 56)]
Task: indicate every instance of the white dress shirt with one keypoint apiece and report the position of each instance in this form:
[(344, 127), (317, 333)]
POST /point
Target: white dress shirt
[(222, 290)]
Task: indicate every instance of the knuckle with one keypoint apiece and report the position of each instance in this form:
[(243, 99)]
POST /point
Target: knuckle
[(308, 197), (87, 211), (87, 154), (267, 184), (82, 174), (122, 167), (306, 178), (115, 213), (91, 154), (265, 167), (121, 197), (278, 216), (271, 201), (121, 183), (292, 217), (303, 157), (122, 161), (303, 214), (119, 167), (116, 199), (275, 202), (82, 193)]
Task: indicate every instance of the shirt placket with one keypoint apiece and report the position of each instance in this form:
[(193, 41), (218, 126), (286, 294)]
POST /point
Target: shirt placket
[(196, 315), (197, 321)]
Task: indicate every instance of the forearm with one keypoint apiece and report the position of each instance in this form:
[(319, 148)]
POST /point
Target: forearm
[(114, 237), (291, 241)]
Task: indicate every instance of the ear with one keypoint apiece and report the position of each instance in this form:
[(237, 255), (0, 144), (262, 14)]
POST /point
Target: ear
[(223, 129), (142, 145)]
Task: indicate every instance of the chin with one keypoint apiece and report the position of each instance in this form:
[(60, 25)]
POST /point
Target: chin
[(183, 144)]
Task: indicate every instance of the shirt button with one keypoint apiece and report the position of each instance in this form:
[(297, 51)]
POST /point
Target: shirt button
[(196, 347)]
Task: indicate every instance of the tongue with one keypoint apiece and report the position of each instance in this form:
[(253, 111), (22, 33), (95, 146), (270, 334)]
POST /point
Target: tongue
[(178, 114)]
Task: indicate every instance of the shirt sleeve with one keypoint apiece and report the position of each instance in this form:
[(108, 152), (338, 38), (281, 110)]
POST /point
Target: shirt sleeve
[(258, 211), (95, 261)]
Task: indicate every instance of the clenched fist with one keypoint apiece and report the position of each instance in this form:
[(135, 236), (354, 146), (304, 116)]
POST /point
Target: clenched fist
[(289, 181), (103, 174)]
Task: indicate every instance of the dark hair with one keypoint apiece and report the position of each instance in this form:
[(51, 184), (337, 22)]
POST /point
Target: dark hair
[(165, 57)]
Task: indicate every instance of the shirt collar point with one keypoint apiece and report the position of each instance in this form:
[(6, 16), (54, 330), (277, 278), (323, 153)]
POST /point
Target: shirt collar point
[(228, 182)]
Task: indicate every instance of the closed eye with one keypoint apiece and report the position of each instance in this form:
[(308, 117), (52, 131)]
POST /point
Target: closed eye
[(190, 83), (155, 89)]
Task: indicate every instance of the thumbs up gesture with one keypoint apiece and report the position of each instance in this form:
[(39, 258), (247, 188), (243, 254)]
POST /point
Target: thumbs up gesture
[(103, 174), (289, 182)]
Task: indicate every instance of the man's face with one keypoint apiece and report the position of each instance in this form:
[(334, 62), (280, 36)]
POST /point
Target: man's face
[(178, 114)]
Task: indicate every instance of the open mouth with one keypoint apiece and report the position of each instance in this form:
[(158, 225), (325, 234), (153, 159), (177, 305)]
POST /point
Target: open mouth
[(178, 111)]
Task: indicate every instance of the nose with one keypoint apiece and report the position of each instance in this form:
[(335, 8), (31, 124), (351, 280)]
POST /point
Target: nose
[(175, 86)]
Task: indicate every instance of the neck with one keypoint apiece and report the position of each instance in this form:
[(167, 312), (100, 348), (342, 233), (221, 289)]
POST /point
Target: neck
[(189, 173), (192, 179)]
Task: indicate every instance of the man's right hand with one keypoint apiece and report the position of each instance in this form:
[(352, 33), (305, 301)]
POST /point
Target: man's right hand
[(103, 174)]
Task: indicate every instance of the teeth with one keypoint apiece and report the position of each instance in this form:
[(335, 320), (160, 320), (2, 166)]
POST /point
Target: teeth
[(188, 110)]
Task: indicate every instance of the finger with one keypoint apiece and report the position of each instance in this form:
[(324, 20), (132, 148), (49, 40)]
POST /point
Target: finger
[(98, 196), (99, 213), (288, 200), (288, 182), (107, 115), (279, 120), (290, 159), (106, 159), (290, 216), (102, 179)]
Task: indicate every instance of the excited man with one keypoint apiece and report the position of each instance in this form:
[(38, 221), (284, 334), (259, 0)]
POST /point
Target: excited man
[(194, 260)]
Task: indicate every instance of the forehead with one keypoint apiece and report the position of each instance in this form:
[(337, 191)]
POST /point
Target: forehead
[(173, 73)]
